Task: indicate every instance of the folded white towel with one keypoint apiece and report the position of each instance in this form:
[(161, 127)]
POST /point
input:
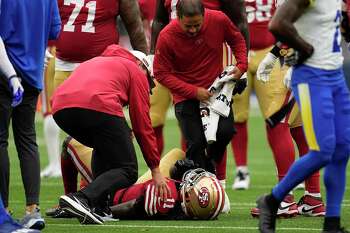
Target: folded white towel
[(210, 121), (222, 89), (221, 79), (222, 103)]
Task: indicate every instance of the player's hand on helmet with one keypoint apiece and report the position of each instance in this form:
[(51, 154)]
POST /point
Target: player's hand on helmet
[(288, 77), (162, 189), (240, 85), (203, 94), (265, 67), (47, 57), (17, 90)]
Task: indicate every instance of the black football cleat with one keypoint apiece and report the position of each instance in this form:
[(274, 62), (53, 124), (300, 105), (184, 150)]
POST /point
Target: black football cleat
[(267, 217), (78, 206)]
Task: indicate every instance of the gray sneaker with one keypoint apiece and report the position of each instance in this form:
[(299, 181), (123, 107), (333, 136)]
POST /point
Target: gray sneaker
[(33, 220)]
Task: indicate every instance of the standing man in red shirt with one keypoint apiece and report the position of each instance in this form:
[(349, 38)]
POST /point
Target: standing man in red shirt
[(161, 98), (185, 48), (94, 117)]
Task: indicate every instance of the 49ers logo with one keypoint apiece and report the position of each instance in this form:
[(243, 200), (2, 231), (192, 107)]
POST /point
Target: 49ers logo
[(203, 197)]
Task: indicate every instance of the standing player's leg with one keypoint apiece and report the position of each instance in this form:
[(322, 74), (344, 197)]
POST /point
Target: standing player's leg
[(51, 130), (335, 171), (239, 141), (160, 101), (311, 203), (272, 96)]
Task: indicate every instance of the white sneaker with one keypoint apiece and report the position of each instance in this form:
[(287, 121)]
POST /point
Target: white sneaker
[(46, 172), (33, 220), (50, 171), (242, 180)]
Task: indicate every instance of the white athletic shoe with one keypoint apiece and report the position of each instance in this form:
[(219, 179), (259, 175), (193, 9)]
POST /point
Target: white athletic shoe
[(242, 180), (33, 220), (51, 171)]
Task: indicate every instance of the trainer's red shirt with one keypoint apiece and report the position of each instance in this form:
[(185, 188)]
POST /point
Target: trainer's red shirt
[(170, 6), (88, 27), (106, 84), (184, 63), (259, 13), (153, 204), (148, 9)]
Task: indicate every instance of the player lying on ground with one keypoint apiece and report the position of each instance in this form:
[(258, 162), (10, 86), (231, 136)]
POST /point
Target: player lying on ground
[(139, 201)]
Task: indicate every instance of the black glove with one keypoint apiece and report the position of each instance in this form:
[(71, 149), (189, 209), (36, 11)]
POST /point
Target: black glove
[(241, 84), (180, 167), (345, 26), (296, 57)]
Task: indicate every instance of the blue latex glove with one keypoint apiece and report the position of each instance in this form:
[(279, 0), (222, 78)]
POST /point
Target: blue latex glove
[(17, 90)]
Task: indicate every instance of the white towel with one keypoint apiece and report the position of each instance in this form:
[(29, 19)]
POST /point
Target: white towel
[(221, 79), (210, 121), (222, 89), (222, 102)]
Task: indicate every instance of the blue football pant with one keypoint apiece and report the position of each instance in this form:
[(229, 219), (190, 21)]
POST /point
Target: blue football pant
[(326, 120)]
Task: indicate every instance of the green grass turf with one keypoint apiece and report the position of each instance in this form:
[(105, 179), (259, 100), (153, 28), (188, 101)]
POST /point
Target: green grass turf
[(239, 220)]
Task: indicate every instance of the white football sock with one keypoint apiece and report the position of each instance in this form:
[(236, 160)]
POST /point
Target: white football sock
[(52, 140), (313, 194)]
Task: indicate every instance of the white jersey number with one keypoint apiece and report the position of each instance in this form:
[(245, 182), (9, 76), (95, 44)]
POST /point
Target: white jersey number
[(79, 4), (261, 13)]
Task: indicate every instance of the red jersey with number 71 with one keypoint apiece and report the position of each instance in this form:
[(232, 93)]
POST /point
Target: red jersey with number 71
[(88, 27)]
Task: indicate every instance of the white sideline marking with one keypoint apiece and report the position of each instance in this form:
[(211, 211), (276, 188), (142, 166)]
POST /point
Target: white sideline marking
[(53, 183), (186, 227), (236, 205)]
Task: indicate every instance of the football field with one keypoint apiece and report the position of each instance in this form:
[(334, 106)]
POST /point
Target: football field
[(263, 177)]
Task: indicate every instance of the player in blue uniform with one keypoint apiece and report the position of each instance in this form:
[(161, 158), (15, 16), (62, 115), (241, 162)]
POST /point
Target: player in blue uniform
[(25, 27), (319, 87)]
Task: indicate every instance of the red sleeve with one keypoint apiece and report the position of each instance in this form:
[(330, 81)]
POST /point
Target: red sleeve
[(163, 70), (237, 43), (140, 120)]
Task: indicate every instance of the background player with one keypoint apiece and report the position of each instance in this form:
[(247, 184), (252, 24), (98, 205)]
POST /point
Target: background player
[(51, 130)]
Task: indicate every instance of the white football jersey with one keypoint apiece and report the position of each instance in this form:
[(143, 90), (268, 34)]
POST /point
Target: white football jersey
[(319, 26)]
